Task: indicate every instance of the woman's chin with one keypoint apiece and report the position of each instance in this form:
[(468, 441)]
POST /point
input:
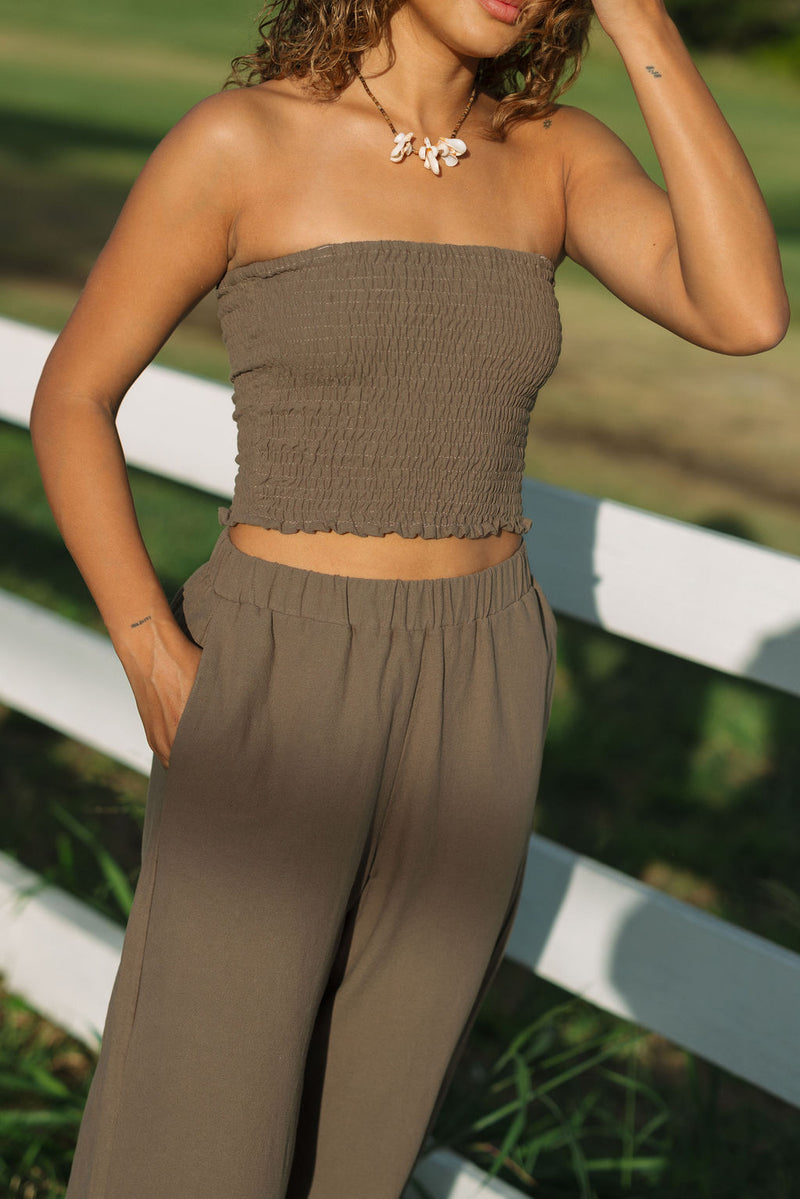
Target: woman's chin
[(473, 28)]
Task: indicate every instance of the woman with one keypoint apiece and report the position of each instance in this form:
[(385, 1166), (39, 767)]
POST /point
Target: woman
[(344, 773)]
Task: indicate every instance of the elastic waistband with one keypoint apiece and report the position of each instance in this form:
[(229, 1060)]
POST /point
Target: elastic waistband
[(383, 603)]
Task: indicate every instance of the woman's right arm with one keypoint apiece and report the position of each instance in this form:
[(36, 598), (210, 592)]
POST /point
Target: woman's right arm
[(170, 246)]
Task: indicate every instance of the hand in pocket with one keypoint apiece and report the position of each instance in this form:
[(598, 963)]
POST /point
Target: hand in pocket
[(162, 676)]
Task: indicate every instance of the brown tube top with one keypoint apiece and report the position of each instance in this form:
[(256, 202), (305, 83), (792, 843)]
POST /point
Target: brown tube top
[(387, 386)]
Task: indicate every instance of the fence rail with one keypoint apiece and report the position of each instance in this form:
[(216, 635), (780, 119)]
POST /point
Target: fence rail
[(702, 595), (721, 992)]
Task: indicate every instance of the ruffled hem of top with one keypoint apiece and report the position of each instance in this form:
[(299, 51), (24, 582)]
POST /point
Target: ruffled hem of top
[(405, 527)]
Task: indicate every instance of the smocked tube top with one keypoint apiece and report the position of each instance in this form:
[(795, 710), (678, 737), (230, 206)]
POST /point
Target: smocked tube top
[(387, 386)]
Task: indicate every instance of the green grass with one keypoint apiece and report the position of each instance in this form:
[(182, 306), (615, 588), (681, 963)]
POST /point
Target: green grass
[(197, 28), (43, 1083), (609, 1110)]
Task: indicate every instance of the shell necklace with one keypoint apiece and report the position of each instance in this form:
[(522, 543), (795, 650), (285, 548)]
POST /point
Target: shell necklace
[(447, 150)]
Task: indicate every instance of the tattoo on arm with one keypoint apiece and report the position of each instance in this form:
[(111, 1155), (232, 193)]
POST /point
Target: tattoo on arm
[(652, 71), (144, 620)]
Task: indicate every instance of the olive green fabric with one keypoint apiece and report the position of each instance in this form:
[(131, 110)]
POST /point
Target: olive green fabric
[(387, 386), (330, 867)]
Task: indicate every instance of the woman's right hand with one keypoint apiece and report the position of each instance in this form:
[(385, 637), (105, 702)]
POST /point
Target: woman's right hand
[(161, 663)]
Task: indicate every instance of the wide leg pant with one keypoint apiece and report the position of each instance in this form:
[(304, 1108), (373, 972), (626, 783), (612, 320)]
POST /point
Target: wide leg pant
[(330, 868)]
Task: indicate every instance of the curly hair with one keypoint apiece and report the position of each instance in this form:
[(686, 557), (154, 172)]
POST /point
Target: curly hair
[(318, 40)]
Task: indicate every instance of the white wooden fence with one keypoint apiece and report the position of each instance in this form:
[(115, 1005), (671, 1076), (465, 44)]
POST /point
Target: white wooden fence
[(725, 994)]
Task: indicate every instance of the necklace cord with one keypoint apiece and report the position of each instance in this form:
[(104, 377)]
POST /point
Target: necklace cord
[(387, 118)]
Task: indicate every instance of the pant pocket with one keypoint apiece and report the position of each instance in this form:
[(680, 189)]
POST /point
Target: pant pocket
[(193, 603), (549, 627), (194, 606), (548, 619)]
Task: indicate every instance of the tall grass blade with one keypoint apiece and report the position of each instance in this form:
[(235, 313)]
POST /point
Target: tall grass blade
[(13, 1121), (117, 880), (517, 1125), (578, 1159)]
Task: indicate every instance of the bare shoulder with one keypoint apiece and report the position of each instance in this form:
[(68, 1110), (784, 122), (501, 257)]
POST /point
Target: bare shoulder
[(249, 121), (575, 129), (222, 124), (561, 137), (584, 139)]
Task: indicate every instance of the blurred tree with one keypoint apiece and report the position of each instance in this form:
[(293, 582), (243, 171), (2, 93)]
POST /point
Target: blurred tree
[(736, 24)]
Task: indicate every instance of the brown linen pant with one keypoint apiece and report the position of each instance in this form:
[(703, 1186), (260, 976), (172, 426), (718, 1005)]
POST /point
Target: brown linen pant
[(330, 869)]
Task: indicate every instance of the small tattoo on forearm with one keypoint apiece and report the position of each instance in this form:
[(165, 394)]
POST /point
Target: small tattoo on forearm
[(652, 71), (144, 620)]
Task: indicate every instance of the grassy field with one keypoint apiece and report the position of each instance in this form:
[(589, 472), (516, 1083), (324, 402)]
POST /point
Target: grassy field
[(689, 780)]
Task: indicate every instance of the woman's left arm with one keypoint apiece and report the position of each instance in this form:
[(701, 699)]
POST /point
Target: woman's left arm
[(701, 259)]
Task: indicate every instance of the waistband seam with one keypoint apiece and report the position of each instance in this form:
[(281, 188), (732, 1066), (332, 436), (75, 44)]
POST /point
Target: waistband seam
[(365, 624), (356, 601)]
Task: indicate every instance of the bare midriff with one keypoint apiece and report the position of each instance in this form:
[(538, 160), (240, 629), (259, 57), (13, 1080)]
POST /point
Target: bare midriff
[(390, 556)]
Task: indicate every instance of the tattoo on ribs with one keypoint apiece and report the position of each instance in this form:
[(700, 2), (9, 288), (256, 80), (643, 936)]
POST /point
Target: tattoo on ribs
[(144, 620), (652, 71)]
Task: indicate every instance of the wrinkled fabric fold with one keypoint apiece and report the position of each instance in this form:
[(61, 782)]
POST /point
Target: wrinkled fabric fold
[(387, 386)]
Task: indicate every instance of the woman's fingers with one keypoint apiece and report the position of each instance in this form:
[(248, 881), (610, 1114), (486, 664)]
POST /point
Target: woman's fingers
[(161, 697)]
